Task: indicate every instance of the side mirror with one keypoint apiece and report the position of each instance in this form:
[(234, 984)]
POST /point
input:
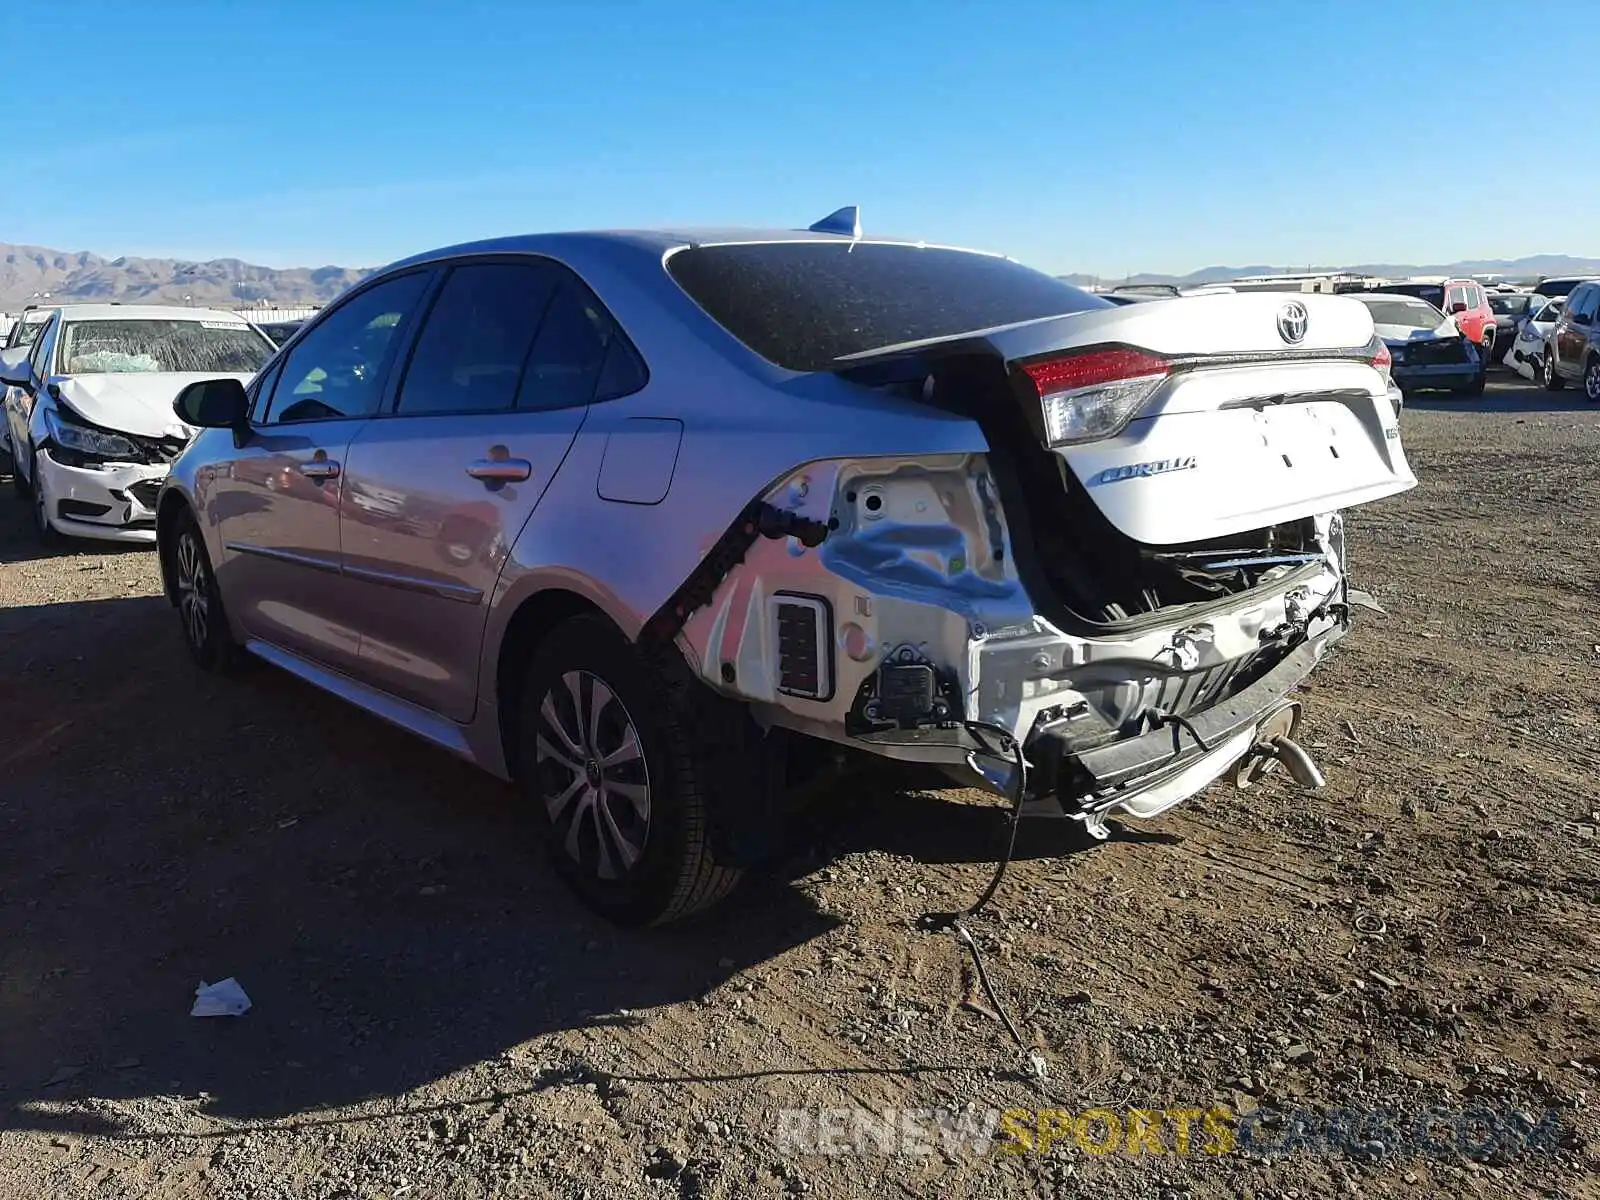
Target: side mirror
[(213, 404), (1458, 307), (14, 369)]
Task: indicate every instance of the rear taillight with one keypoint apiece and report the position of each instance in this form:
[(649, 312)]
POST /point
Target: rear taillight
[(1095, 393), (1378, 351)]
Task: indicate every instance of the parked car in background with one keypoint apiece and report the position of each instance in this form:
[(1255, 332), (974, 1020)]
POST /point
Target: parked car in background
[(1428, 351), (280, 331), (89, 409), (26, 327), (655, 527), (1525, 355), (1572, 349), (19, 339), (1462, 299), (1559, 285), (1510, 310)]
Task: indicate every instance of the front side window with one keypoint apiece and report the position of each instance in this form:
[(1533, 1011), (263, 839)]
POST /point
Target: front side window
[(145, 347), (472, 349), (337, 369), (37, 357), (803, 305)]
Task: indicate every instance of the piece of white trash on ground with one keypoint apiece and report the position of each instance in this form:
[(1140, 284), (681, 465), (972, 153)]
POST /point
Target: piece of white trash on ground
[(224, 999)]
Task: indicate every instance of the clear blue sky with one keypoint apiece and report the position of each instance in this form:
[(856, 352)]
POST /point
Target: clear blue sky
[(1167, 135)]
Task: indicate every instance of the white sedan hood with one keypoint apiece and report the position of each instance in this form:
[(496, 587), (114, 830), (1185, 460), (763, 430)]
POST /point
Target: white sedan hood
[(136, 403)]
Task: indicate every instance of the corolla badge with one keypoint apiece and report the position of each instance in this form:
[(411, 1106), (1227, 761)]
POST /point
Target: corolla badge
[(1160, 466), (1292, 321)]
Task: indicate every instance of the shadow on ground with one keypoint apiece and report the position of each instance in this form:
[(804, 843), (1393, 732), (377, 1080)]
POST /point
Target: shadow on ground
[(376, 898)]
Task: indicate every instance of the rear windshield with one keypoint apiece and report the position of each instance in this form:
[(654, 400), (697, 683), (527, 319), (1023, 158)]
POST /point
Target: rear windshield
[(802, 305), (141, 347), (1512, 304), (1557, 287), (1409, 314), (1433, 293)]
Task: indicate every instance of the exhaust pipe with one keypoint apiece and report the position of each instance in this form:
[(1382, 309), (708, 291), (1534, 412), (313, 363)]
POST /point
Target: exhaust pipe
[(1275, 744), (1293, 755)]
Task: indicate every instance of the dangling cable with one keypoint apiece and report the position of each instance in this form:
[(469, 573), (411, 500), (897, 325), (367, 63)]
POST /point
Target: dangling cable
[(953, 920)]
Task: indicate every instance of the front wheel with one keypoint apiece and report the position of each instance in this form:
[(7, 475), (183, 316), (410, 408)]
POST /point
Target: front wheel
[(19, 485), (47, 533), (609, 774), (205, 623), (1552, 378)]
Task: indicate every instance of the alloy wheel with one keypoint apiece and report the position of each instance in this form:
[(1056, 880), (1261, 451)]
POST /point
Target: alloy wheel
[(194, 596), (592, 775), (1591, 381)]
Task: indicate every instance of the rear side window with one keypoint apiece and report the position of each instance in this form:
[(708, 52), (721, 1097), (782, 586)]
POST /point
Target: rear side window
[(802, 305), (471, 351), (569, 352)]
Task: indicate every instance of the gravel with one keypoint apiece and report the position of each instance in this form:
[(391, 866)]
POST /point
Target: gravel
[(435, 1016)]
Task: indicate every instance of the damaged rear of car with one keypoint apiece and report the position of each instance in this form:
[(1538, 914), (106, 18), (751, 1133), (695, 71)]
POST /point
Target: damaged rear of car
[(690, 520), (1130, 580)]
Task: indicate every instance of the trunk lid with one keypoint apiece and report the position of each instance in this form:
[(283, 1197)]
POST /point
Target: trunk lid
[(1248, 429)]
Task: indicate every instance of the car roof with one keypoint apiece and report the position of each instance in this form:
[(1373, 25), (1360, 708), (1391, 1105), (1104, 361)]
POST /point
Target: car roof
[(145, 312), (650, 241)]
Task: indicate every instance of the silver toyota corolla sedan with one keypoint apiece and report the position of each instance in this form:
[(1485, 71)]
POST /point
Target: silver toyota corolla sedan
[(659, 525)]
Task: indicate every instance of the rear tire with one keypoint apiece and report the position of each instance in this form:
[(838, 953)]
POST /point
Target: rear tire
[(609, 772), (1552, 378), (1591, 380), (204, 621)]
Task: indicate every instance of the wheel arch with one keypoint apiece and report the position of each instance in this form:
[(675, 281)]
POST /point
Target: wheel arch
[(530, 622), (170, 509)]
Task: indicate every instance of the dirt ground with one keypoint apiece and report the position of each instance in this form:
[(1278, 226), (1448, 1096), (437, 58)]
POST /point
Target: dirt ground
[(434, 1016)]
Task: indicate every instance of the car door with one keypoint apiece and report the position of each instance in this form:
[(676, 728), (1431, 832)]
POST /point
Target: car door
[(26, 401), (1482, 318), (1572, 331), (496, 387), (277, 502)]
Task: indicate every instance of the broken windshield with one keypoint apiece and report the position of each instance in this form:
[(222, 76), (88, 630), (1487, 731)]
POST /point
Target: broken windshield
[(149, 346)]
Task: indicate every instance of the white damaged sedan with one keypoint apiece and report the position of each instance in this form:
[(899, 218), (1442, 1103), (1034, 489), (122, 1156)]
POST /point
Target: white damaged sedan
[(89, 415)]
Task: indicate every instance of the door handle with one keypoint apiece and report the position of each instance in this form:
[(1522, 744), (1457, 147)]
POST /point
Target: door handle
[(501, 470), (320, 468)]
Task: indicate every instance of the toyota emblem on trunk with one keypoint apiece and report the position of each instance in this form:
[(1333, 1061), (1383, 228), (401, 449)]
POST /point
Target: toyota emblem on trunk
[(1292, 321)]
